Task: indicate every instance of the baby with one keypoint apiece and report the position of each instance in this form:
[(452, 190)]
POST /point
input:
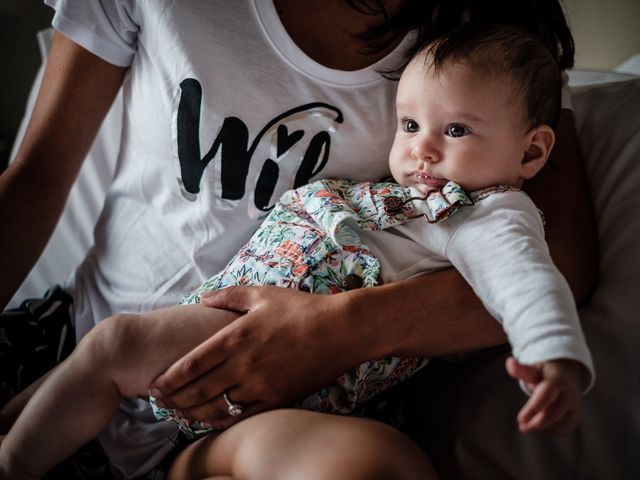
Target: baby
[(475, 112)]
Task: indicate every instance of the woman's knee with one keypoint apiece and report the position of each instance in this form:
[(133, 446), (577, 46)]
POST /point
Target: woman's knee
[(373, 450), (301, 444)]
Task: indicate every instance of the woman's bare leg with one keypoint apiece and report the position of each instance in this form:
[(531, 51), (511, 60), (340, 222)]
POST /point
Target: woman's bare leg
[(120, 357), (295, 444)]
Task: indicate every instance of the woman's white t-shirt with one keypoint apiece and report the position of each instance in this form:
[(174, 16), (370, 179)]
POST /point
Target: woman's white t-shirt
[(222, 114)]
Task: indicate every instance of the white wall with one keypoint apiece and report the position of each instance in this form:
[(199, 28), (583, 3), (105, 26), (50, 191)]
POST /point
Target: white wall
[(606, 32)]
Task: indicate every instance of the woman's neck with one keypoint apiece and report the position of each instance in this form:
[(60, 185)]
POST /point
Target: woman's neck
[(330, 32)]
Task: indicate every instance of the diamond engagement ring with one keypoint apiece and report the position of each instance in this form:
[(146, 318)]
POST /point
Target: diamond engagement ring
[(233, 409)]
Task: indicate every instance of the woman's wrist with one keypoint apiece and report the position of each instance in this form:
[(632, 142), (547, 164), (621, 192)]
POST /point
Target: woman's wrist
[(346, 328), (435, 314), (365, 318)]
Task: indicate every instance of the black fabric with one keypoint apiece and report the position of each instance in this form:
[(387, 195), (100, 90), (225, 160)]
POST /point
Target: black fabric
[(34, 338), (88, 463)]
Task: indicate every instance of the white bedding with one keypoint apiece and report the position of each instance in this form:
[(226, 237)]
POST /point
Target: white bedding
[(475, 421)]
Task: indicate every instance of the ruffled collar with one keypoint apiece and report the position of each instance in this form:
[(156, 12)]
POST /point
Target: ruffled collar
[(444, 202)]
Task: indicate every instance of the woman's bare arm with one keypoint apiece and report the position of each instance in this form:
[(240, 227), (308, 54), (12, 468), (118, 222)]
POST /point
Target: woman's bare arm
[(77, 91)]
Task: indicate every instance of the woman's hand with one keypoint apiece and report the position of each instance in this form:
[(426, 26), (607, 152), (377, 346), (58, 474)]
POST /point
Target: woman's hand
[(288, 344), (285, 347)]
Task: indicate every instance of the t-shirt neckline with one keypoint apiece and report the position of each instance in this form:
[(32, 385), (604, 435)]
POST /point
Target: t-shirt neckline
[(299, 60)]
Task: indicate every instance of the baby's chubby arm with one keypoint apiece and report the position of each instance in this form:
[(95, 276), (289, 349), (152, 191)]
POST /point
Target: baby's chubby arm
[(555, 404)]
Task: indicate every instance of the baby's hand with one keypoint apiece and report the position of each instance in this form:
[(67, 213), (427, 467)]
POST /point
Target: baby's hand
[(555, 405)]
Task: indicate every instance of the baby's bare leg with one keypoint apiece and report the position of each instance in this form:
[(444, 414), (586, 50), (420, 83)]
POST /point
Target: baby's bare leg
[(10, 412), (294, 444), (120, 357)]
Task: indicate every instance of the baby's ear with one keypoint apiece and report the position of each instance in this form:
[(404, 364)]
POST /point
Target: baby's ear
[(538, 144)]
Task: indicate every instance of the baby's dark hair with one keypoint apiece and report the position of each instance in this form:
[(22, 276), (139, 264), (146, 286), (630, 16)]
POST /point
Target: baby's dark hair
[(499, 50)]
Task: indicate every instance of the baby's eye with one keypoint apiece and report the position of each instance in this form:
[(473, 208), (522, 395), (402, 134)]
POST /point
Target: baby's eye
[(410, 126), (456, 130)]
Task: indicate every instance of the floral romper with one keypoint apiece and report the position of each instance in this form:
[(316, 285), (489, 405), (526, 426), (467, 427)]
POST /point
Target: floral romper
[(309, 242)]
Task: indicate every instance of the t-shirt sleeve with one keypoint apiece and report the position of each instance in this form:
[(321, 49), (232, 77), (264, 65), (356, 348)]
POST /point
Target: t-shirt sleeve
[(107, 28), (501, 251)]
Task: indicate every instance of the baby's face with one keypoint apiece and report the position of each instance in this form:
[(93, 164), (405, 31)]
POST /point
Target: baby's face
[(456, 125)]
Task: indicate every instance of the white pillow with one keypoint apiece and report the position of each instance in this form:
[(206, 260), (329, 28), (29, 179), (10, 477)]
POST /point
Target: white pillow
[(608, 125)]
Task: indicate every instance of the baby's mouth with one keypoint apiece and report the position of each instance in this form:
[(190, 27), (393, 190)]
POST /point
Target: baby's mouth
[(435, 182)]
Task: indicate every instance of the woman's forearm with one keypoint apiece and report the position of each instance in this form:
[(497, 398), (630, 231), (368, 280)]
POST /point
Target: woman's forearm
[(434, 314), (325, 335), (76, 93)]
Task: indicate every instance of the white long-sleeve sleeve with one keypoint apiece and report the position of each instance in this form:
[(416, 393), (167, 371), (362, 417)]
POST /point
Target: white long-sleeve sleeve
[(498, 246), (500, 250)]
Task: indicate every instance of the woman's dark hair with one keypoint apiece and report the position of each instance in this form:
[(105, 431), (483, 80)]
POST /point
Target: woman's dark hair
[(433, 19)]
